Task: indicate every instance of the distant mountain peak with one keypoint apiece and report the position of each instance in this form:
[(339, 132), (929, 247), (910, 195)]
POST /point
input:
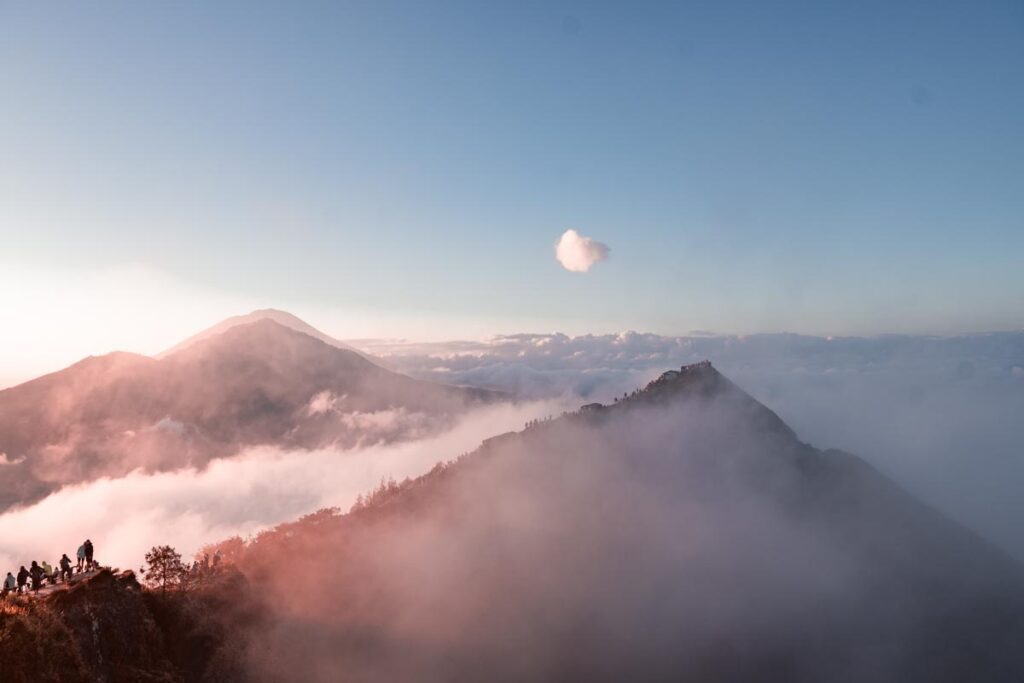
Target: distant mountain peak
[(269, 340), (249, 381), (694, 372), (697, 378), (283, 318), (695, 382)]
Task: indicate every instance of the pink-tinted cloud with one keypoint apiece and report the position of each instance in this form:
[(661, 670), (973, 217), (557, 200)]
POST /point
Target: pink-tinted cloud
[(577, 253)]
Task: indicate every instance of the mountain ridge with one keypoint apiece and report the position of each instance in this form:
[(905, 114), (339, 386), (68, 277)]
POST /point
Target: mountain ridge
[(676, 534), (679, 533), (251, 384)]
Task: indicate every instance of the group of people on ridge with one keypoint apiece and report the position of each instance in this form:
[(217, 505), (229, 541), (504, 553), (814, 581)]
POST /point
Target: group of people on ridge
[(33, 577)]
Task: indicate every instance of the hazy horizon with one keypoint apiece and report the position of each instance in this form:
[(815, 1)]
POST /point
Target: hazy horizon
[(43, 346)]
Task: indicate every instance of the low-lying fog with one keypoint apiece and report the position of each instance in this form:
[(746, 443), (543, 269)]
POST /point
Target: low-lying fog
[(263, 487), (941, 416), (685, 536)]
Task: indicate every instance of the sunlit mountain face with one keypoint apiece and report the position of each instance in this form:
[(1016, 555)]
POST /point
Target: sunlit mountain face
[(253, 381)]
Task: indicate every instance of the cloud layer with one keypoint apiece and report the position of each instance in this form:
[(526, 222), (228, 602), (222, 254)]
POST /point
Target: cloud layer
[(577, 253), (187, 509)]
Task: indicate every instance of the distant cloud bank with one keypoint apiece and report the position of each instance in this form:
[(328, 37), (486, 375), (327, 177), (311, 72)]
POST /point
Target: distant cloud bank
[(577, 253)]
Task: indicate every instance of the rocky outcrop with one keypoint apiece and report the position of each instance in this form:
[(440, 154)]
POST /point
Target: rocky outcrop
[(109, 629)]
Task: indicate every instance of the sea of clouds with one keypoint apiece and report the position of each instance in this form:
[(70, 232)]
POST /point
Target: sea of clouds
[(941, 415)]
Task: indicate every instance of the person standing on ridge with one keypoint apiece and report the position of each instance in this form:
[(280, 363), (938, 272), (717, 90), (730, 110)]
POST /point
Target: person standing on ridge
[(10, 584), (65, 568), (22, 579), (88, 554), (81, 558), (36, 572)]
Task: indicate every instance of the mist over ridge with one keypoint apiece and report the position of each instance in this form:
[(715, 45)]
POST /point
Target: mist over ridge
[(682, 531), (935, 413), (938, 414)]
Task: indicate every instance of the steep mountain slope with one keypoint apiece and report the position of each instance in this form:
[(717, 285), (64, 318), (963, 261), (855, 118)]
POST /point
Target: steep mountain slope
[(684, 533), (256, 383)]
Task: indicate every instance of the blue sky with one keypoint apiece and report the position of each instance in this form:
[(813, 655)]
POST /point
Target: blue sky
[(819, 167)]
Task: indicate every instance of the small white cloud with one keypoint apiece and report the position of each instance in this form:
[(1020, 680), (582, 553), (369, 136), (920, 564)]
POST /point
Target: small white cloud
[(577, 253)]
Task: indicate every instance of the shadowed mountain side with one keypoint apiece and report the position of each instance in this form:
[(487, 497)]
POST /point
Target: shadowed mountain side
[(683, 533), (254, 384)]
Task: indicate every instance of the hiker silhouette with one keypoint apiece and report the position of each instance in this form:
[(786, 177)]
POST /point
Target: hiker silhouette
[(36, 573), (88, 553)]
